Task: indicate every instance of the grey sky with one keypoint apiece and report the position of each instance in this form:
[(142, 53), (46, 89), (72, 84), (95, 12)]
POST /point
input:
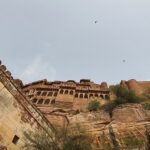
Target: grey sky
[(58, 39)]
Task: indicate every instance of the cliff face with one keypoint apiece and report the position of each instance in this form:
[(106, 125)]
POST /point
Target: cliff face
[(127, 120), (130, 113)]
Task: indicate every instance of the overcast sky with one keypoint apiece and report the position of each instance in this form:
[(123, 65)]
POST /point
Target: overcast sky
[(59, 39)]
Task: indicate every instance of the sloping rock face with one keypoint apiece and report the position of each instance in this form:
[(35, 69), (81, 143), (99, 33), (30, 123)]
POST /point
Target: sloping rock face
[(129, 120), (91, 121), (130, 113)]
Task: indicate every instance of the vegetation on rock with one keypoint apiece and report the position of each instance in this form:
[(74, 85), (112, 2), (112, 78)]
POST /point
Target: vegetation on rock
[(123, 96), (93, 105), (132, 141), (146, 106)]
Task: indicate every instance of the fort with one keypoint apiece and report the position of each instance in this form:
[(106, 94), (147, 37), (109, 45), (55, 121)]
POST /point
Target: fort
[(69, 94), (44, 105)]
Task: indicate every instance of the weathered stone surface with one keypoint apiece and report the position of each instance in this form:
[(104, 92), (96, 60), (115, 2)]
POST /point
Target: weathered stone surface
[(63, 104), (139, 87), (17, 114), (129, 113), (93, 122)]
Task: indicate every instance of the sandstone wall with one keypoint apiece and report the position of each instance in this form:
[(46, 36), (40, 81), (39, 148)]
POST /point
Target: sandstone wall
[(67, 95), (17, 114), (14, 120), (139, 87)]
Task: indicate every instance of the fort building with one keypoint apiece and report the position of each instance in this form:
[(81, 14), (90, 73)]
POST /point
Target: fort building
[(56, 99)]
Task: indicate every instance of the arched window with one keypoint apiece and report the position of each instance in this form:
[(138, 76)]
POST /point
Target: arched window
[(91, 95), (102, 96), (44, 93), (53, 101), (81, 95), (61, 91), (55, 94), (50, 94), (26, 92), (76, 95), (34, 100), (39, 93), (40, 101), (66, 92), (47, 101), (71, 92), (86, 96), (96, 95)]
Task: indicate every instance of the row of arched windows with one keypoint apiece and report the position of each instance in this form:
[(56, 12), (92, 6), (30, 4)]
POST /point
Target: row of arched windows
[(81, 95), (84, 95), (46, 93), (71, 92), (43, 101)]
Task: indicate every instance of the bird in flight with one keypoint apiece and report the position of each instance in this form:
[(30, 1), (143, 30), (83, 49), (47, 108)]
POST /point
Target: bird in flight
[(95, 21)]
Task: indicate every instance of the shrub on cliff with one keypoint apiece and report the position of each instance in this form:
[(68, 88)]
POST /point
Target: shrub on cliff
[(146, 106), (122, 96), (131, 141), (93, 105)]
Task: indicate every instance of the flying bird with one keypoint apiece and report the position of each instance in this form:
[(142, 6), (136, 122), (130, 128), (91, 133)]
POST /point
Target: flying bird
[(95, 21)]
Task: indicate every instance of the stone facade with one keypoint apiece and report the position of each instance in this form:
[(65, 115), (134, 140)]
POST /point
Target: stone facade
[(66, 95), (17, 113), (58, 99)]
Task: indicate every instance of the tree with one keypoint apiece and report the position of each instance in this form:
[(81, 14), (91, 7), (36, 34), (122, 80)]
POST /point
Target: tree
[(123, 96), (77, 139), (93, 105)]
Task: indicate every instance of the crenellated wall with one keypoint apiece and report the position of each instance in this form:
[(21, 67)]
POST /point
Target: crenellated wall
[(139, 87)]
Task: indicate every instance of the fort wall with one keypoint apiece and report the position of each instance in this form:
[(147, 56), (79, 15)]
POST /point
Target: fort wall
[(17, 114)]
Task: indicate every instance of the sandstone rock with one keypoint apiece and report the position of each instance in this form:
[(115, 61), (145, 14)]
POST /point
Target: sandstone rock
[(129, 113)]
